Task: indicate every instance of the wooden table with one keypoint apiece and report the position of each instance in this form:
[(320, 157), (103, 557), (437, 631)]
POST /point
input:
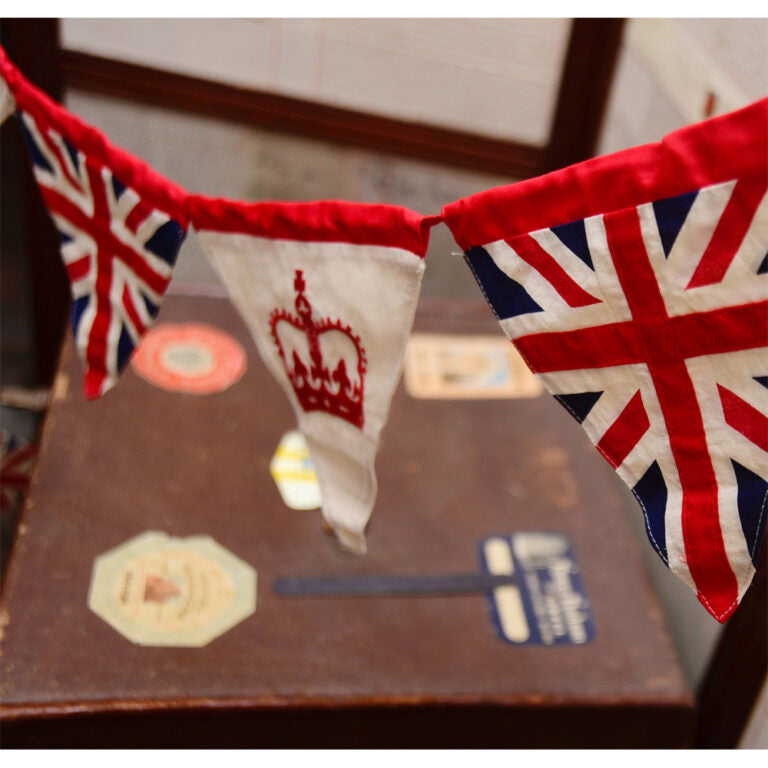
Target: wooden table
[(362, 672)]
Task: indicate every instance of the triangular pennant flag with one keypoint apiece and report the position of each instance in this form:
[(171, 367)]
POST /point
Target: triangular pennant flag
[(329, 290), (632, 285), (120, 226)]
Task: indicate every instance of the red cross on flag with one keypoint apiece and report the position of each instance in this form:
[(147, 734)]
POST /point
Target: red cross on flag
[(636, 287), (120, 227)]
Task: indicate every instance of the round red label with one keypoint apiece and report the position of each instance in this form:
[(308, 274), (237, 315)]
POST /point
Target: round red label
[(190, 357)]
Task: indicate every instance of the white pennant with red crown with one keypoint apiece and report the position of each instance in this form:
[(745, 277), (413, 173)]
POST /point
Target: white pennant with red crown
[(319, 384), (329, 292)]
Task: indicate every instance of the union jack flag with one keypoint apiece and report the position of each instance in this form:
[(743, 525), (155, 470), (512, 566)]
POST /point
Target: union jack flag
[(649, 323), (120, 228)]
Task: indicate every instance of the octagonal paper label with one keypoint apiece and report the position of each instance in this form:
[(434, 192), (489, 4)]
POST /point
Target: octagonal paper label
[(159, 591)]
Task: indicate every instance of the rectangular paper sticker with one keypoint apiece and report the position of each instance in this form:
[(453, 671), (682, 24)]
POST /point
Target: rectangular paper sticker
[(548, 605), (463, 367)]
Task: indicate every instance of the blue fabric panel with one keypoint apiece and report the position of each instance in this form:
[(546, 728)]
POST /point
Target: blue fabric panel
[(763, 268), (670, 217), (651, 492), (118, 187), (64, 238), (506, 296), (78, 307), (762, 380), (751, 501), (151, 308), (574, 236), (580, 404), (124, 349), (72, 152), (166, 242), (35, 154)]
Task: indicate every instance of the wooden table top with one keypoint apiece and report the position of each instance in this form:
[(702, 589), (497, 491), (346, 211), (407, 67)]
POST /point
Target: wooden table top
[(450, 473)]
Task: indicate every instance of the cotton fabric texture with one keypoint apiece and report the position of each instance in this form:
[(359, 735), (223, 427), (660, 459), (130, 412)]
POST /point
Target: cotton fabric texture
[(329, 291), (636, 287), (120, 227)]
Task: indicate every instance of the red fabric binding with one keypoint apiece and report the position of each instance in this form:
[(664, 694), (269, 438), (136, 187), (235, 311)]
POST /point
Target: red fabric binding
[(728, 147), (131, 171), (325, 221)]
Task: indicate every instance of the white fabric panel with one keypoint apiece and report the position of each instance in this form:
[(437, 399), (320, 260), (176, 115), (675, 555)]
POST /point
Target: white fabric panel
[(373, 290)]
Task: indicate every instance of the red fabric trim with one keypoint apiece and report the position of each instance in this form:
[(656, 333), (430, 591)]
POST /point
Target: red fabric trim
[(740, 415), (622, 436), (327, 221), (733, 146), (131, 171), (704, 548)]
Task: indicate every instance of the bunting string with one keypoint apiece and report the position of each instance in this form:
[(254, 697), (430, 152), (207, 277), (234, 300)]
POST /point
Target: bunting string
[(635, 286)]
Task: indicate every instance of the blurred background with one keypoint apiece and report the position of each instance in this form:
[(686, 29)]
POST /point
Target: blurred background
[(413, 112)]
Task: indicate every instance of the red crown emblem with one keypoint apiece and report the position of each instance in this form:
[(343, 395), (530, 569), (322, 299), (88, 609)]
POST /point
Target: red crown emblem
[(317, 387)]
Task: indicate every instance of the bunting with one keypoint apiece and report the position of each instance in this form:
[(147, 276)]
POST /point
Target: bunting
[(636, 287), (120, 226), (329, 290)]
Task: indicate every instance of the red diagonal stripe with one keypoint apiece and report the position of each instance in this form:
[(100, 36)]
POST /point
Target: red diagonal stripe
[(722, 330), (704, 547), (532, 253), (139, 213), (98, 229), (602, 346), (60, 160), (740, 415), (623, 435), (130, 310), (730, 231), (78, 269)]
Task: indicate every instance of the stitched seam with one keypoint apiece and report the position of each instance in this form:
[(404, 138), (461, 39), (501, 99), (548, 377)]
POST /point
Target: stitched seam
[(656, 545), (671, 335), (470, 265), (718, 616), (759, 521), (735, 602)]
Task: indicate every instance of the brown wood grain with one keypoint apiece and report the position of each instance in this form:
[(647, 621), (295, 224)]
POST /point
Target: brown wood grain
[(348, 672)]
